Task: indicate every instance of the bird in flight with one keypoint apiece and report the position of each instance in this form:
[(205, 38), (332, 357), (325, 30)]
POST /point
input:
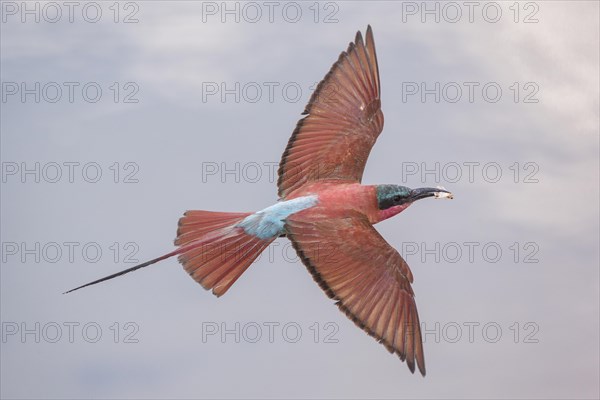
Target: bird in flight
[(325, 211)]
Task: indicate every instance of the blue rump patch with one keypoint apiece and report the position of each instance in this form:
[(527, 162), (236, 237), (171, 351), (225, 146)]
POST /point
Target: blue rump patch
[(268, 223)]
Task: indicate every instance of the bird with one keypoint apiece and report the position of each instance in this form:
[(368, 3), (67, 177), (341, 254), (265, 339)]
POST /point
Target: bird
[(325, 211)]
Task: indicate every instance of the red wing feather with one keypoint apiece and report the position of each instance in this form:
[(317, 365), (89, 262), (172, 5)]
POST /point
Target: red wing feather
[(343, 121), (369, 279)]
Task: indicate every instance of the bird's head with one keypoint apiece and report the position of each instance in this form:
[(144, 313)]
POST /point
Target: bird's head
[(393, 199)]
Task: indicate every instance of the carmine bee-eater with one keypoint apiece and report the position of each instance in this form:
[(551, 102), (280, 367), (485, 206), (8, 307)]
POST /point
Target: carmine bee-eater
[(325, 211)]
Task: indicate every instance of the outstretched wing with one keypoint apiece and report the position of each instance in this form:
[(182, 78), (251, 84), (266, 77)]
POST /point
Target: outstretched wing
[(344, 118), (354, 265)]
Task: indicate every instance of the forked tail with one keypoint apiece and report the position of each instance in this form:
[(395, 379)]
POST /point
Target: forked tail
[(212, 248)]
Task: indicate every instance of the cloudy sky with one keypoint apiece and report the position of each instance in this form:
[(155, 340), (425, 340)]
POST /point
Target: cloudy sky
[(118, 117)]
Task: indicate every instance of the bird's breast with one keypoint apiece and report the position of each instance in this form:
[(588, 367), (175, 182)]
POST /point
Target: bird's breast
[(338, 200)]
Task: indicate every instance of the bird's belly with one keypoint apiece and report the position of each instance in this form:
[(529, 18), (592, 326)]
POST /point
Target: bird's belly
[(270, 222)]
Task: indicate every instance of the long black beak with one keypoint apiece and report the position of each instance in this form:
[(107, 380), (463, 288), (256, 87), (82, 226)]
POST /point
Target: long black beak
[(422, 193)]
